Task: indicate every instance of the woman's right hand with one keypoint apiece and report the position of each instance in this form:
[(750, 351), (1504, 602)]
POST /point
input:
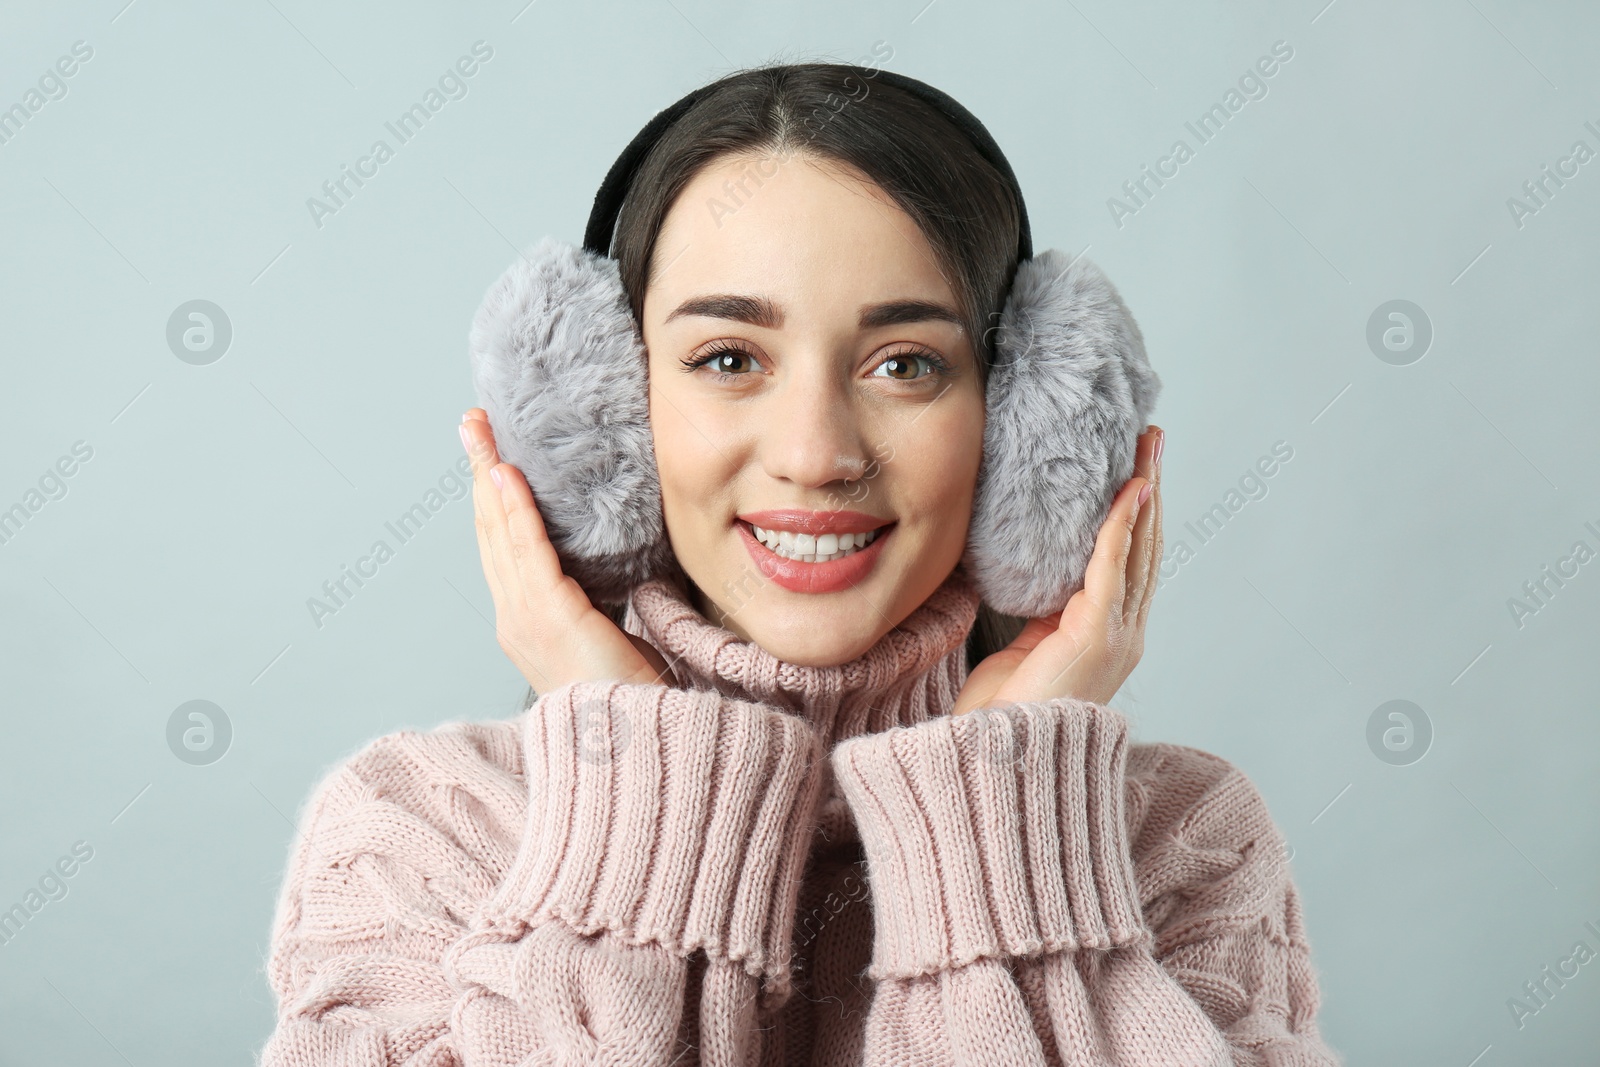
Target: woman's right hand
[(543, 618)]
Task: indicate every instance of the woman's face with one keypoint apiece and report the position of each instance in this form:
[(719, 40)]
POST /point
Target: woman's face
[(841, 396)]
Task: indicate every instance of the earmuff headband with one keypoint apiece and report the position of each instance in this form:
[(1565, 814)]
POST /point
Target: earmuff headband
[(559, 364), (619, 179)]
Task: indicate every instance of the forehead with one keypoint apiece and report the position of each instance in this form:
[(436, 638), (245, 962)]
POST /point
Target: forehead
[(807, 232)]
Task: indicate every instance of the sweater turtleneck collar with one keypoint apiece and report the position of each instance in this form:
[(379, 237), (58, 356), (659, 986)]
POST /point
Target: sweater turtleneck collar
[(911, 674)]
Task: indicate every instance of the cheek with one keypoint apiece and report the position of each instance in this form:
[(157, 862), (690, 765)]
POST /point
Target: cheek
[(938, 460), (692, 464), (669, 432)]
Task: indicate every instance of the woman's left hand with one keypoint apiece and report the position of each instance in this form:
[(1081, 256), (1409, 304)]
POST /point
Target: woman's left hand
[(1088, 649)]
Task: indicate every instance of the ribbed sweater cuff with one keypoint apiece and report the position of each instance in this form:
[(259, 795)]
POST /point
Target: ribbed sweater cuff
[(308, 1043), (999, 832), (664, 815)]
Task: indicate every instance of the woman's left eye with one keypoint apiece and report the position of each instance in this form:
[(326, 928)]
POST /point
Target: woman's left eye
[(908, 361)]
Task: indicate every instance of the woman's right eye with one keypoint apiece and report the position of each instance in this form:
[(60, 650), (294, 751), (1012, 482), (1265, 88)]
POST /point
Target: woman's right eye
[(724, 360)]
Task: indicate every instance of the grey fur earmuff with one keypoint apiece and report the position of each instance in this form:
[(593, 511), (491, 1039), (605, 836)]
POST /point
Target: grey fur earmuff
[(559, 365)]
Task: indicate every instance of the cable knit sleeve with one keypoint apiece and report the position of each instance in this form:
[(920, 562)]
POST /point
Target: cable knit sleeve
[(533, 892), (1035, 901)]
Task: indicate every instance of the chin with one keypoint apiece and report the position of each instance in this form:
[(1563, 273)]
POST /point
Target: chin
[(807, 630), (816, 638), (807, 613)]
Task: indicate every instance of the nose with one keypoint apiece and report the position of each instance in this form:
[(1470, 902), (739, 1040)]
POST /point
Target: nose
[(813, 434)]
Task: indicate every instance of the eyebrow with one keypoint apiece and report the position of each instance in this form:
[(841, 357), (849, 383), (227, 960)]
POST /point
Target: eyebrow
[(759, 311)]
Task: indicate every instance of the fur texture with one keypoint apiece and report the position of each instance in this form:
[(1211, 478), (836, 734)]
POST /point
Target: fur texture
[(1070, 392), (560, 367)]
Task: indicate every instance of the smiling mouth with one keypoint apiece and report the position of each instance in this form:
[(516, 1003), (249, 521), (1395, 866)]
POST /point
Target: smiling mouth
[(815, 551), (808, 548)]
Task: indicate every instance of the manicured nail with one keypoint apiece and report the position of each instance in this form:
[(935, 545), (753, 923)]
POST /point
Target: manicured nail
[(1161, 444), (1144, 493), (466, 442), (495, 474)]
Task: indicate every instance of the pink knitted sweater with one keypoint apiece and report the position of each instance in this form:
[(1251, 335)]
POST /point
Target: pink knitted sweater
[(768, 864)]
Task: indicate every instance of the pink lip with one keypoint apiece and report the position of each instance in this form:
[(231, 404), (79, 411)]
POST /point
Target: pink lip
[(815, 523), (801, 577)]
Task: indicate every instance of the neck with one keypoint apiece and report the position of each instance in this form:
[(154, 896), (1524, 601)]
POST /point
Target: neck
[(710, 611), (911, 674)]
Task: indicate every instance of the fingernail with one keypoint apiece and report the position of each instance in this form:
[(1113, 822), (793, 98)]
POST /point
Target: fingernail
[(466, 442), (1144, 493), (495, 474), (1161, 444)]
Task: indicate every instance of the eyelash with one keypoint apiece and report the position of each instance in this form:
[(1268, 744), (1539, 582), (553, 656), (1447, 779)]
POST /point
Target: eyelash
[(940, 365)]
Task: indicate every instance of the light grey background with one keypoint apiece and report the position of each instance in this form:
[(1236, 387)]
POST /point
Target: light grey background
[(1379, 564)]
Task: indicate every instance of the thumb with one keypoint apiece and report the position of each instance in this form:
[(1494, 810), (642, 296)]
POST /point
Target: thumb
[(978, 690), (1034, 631), (657, 663)]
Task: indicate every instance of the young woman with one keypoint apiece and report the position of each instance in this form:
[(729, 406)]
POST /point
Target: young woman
[(807, 801)]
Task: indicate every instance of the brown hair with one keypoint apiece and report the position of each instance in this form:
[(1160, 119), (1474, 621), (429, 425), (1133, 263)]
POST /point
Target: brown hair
[(837, 112)]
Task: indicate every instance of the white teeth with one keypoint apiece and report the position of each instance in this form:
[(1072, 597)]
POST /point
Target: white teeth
[(809, 549)]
